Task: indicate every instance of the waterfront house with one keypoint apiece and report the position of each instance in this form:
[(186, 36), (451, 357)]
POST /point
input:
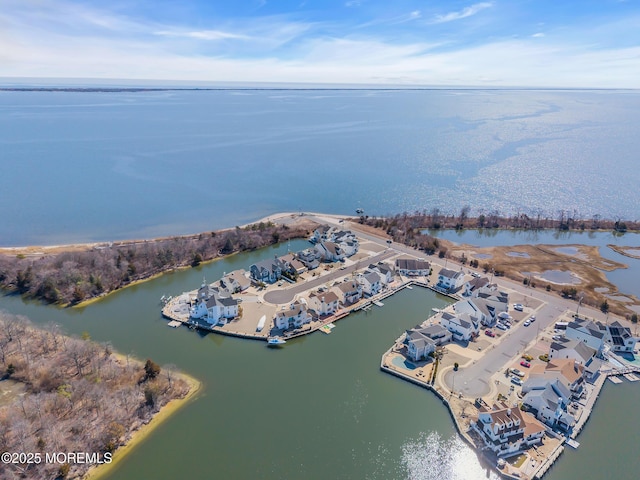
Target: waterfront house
[(575, 350), (410, 267), (450, 280), (348, 292), (323, 303), (463, 326), (323, 232), (371, 283), (267, 271), (330, 251), (549, 407), (619, 338), (419, 346), (294, 316), (506, 431), (213, 305), (385, 271), (421, 341), (486, 308)]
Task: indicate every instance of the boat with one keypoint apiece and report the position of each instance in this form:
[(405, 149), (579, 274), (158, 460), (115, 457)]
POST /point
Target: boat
[(260, 326), (359, 211), (275, 341)]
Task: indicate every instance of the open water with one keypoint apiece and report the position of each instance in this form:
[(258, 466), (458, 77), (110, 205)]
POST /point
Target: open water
[(104, 166)]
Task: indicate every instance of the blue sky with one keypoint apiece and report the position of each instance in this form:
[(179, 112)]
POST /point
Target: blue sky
[(543, 43)]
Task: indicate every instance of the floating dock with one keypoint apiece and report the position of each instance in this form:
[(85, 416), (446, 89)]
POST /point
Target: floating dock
[(572, 443), (378, 303), (174, 324), (615, 379), (631, 377)]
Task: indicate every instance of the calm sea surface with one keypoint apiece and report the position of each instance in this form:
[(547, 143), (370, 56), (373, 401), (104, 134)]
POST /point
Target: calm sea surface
[(319, 408), (100, 166)]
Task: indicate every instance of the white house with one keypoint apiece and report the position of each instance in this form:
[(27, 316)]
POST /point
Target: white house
[(506, 431), (450, 279), (588, 332), (385, 271), (371, 284), (214, 306), (463, 326), (323, 303), (330, 251), (293, 317), (619, 338), (476, 285), (571, 349), (410, 267), (419, 346)]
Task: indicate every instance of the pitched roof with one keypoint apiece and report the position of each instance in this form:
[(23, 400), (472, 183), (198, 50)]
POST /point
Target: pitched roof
[(412, 264)]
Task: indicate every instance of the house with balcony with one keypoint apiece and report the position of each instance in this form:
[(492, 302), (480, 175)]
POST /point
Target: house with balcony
[(575, 350), (213, 305), (506, 431), (309, 258), (323, 303), (348, 292), (371, 283), (450, 280), (463, 326), (294, 316), (266, 271)]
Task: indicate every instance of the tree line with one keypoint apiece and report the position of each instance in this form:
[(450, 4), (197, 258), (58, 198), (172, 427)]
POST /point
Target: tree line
[(79, 397), (72, 277), (564, 220)]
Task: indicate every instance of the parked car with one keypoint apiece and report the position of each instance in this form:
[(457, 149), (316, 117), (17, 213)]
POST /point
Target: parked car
[(525, 364), (475, 274), (516, 380), (556, 337), (527, 323), (501, 326), (489, 333), (517, 372), (532, 318), (518, 307), (527, 357)]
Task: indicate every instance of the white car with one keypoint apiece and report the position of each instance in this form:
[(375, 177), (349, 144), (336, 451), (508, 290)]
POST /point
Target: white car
[(516, 380), (516, 372), (518, 307), (501, 326), (527, 323)]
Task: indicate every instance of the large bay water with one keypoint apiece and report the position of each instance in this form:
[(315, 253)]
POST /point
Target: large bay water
[(114, 165), (319, 408)]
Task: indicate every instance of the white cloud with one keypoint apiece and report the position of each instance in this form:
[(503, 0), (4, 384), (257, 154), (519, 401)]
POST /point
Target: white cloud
[(538, 35), (203, 34), (464, 13)]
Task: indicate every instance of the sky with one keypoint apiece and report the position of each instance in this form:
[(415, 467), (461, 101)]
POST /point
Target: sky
[(520, 43)]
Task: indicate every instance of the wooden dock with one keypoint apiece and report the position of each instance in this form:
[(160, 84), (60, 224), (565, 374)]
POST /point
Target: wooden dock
[(615, 379)]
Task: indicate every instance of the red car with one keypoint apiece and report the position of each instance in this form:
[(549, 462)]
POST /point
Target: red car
[(524, 363), (489, 333)]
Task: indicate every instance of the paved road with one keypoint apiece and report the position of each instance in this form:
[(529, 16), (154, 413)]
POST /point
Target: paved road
[(285, 295)]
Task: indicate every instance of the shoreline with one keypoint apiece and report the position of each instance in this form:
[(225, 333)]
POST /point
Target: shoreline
[(140, 435), (81, 246)]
